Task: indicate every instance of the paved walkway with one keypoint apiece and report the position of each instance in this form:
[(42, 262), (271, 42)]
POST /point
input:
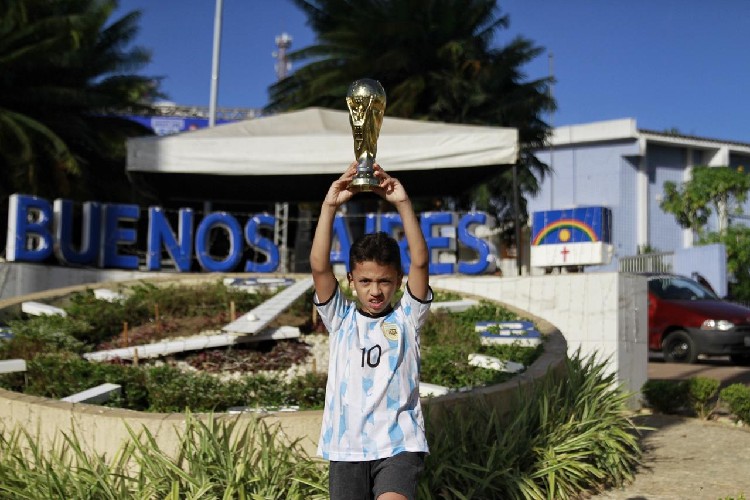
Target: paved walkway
[(689, 459)]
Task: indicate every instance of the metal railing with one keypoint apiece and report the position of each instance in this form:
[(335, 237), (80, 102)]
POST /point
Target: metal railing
[(647, 263)]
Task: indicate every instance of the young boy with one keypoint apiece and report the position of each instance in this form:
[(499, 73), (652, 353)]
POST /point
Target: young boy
[(373, 429)]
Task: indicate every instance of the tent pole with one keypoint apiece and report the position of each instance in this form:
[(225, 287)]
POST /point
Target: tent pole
[(516, 218)]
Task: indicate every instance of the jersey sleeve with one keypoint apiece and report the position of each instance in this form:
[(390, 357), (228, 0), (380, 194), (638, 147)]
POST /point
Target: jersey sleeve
[(416, 310), (332, 311)]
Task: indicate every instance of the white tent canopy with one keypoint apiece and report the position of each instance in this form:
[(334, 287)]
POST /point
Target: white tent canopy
[(319, 141)]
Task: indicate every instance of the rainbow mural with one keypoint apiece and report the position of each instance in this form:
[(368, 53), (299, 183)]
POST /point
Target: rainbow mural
[(575, 225)]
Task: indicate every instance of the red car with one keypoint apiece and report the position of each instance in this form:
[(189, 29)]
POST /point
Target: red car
[(686, 319)]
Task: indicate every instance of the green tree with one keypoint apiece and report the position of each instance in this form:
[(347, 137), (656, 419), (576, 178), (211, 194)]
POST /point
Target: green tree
[(438, 61), (736, 240), (64, 71), (719, 189), (723, 190)]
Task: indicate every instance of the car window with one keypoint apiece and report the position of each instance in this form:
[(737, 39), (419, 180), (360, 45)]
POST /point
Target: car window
[(679, 288)]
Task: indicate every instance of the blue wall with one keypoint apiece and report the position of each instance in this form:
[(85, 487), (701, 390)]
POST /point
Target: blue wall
[(709, 260), (663, 164), (625, 219)]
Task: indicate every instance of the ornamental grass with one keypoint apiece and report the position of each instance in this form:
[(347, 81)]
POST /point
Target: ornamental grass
[(565, 435), (215, 460)]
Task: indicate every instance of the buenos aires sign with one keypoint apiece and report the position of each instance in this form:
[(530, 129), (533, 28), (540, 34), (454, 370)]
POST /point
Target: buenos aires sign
[(40, 231)]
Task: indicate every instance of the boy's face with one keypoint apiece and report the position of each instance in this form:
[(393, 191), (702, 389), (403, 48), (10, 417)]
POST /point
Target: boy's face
[(375, 285)]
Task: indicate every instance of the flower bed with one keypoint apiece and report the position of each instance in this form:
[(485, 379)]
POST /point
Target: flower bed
[(268, 373)]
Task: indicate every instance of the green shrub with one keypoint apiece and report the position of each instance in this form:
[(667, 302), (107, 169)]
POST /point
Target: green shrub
[(171, 390), (487, 311), (666, 396), (515, 352), (308, 391), (303, 305), (443, 327), (702, 393), (162, 388), (102, 319), (57, 375), (737, 398), (447, 366), (697, 394), (42, 334), (447, 341), (144, 302), (445, 296), (567, 435), (448, 338), (201, 300)]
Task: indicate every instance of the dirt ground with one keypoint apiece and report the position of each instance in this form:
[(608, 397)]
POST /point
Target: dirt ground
[(686, 459)]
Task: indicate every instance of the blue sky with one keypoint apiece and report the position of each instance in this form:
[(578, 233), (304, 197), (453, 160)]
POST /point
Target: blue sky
[(667, 63)]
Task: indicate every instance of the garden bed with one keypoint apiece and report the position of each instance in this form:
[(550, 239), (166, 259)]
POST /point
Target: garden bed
[(268, 373)]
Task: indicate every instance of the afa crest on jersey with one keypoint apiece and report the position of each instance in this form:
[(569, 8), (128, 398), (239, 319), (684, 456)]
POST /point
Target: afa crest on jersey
[(391, 330)]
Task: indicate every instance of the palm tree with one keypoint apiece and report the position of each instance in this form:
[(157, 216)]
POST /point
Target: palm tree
[(63, 72), (438, 61)]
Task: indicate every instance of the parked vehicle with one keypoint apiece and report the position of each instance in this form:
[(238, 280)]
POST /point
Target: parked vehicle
[(687, 319)]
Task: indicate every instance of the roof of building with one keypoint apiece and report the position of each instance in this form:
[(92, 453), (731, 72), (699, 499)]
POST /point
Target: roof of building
[(626, 129), (693, 137)]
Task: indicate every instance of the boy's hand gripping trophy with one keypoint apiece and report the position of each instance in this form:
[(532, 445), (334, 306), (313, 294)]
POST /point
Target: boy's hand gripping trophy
[(366, 102)]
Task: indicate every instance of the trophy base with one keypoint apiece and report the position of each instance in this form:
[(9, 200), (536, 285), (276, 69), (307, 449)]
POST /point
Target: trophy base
[(364, 183)]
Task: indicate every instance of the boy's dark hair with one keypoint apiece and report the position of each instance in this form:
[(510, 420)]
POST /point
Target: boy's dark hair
[(378, 247)]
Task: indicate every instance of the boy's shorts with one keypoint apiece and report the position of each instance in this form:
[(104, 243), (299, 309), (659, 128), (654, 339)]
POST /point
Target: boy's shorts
[(368, 480)]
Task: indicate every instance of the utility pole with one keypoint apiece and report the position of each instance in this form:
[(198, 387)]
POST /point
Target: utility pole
[(207, 205), (281, 226), (551, 59)]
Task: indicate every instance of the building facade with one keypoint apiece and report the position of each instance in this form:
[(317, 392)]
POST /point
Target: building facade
[(615, 164)]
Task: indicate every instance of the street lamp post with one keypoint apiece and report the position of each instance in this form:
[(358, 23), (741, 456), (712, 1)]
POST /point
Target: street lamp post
[(215, 64)]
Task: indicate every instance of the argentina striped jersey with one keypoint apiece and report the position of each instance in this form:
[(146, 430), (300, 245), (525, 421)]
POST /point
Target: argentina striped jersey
[(372, 407)]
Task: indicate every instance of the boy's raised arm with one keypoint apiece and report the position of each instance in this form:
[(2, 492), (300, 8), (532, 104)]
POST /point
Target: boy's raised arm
[(320, 253), (395, 193), (419, 272)]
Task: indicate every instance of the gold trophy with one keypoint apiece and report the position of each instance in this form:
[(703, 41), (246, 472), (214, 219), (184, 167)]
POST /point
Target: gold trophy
[(366, 102)]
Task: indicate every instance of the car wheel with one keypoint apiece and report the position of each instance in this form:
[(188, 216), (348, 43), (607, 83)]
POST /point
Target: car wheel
[(740, 359), (679, 348)]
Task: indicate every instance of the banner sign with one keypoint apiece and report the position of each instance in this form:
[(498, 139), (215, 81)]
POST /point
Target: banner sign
[(39, 230), (167, 125), (573, 237)]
